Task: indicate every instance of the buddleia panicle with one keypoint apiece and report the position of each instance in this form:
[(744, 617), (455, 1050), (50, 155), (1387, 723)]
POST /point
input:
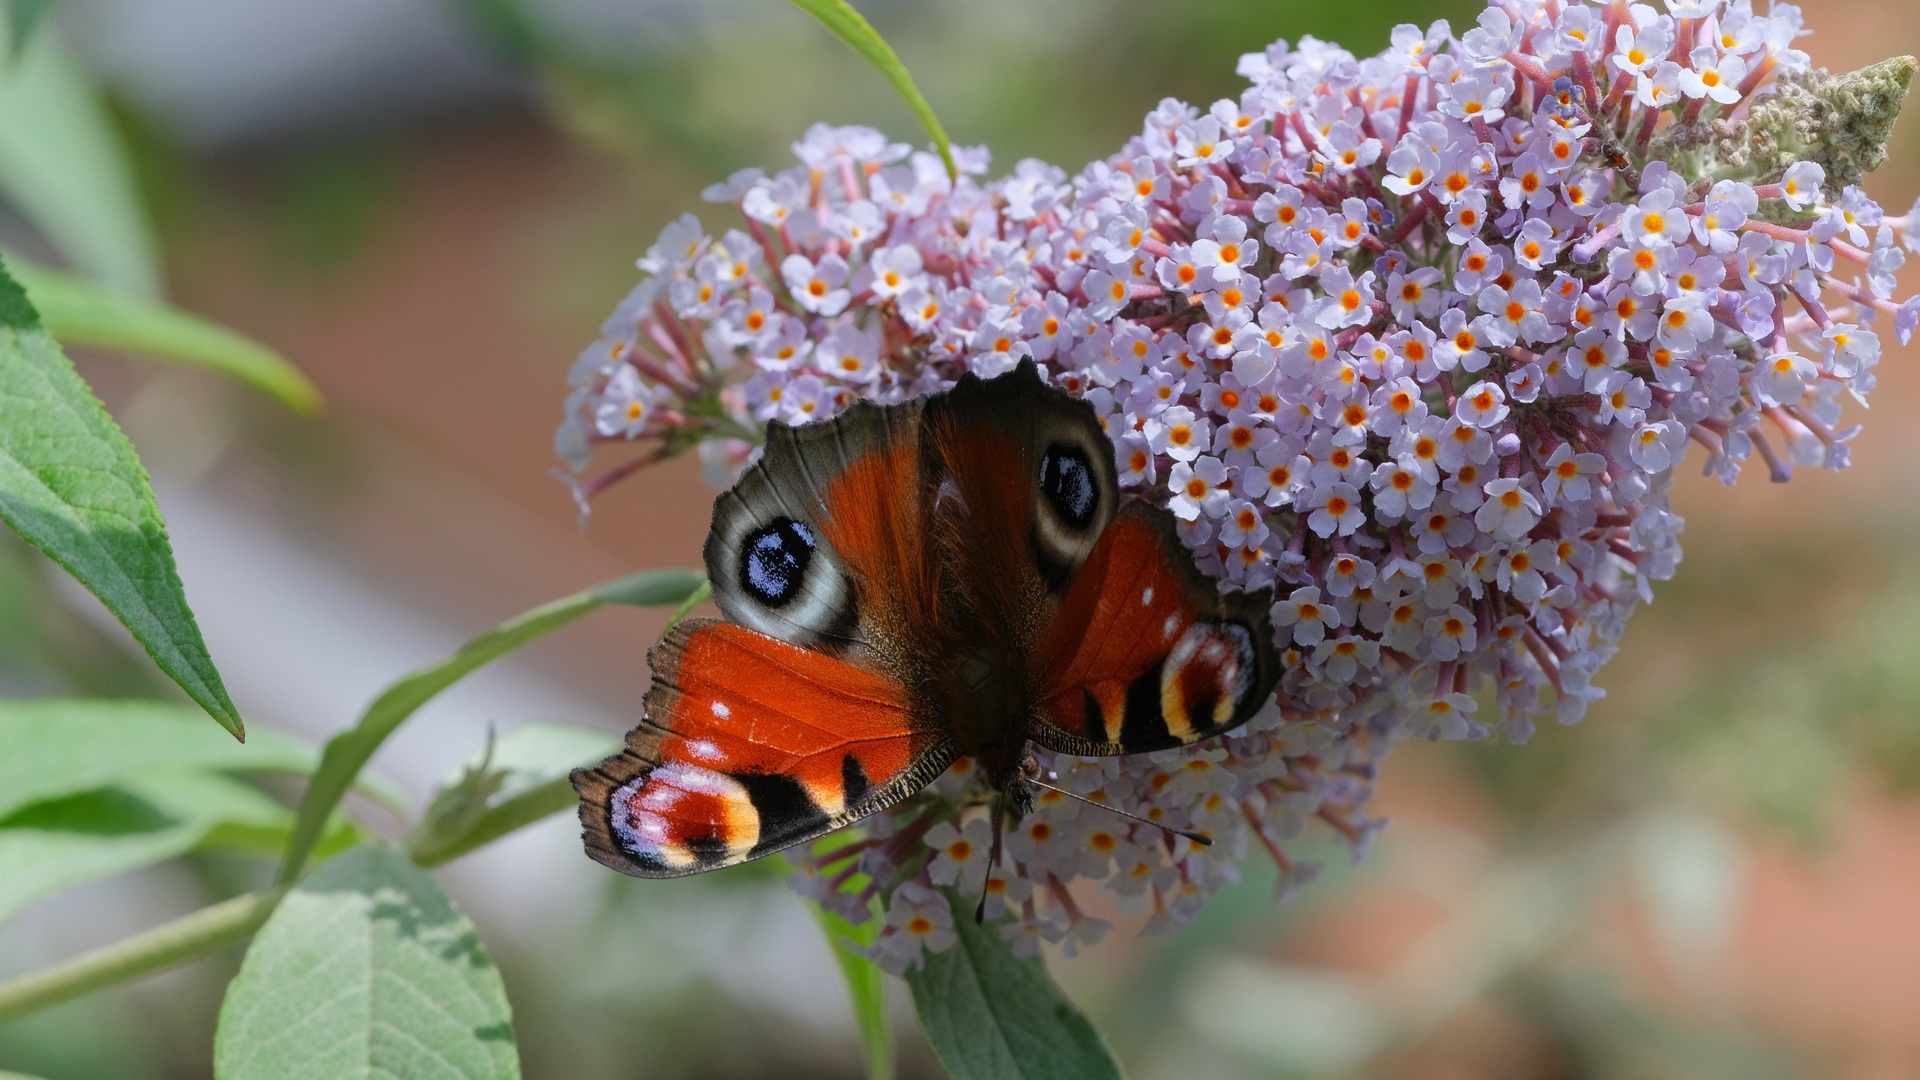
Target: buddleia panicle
[(1417, 340)]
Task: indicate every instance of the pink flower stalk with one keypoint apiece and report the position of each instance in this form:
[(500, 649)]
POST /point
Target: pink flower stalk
[(1417, 340)]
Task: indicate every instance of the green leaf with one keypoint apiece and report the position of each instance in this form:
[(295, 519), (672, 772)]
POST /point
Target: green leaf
[(57, 747), (366, 970), (516, 781), (349, 751), (53, 845), (94, 788), (23, 18), (71, 485), (78, 312), (866, 988), (62, 167), (849, 26), (991, 1015)]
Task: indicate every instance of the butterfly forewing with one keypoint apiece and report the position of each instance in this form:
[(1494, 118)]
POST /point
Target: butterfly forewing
[(1146, 653), (767, 555), (1033, 468), (750, 745)]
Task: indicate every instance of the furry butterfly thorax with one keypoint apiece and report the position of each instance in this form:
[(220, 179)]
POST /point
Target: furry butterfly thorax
[(958, 575)]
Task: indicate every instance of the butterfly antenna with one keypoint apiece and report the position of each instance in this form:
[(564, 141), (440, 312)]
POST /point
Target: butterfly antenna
[(1197, 838)]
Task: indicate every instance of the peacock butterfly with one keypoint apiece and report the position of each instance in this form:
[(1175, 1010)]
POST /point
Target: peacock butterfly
[(904, 585)]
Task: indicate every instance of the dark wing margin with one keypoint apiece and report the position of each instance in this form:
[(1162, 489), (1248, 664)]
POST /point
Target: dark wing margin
[(750, 745), (1146, 653)]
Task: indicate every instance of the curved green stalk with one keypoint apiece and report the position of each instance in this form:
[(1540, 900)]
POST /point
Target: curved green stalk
[(851, 27), (348, 752), (155, 951)]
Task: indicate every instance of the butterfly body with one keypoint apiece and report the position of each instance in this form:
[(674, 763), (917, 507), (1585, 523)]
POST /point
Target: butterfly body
[(953, 576)]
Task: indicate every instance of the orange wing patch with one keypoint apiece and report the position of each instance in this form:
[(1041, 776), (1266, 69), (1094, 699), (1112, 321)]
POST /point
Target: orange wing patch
[(1145, 652), (749, 745), (874, 516), (1124, 612)]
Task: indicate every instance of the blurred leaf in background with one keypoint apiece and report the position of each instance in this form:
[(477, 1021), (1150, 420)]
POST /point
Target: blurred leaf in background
[(59, 843), (78, 312), (23, 19), (62, 167)]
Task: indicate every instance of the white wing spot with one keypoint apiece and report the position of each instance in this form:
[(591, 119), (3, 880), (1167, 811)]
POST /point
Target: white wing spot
[(1171, 627), (704, 750), (720, 710), (1146, 598)]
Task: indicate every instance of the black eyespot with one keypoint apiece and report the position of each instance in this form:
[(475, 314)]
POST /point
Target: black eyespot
[(774, 560), (1066, 477)]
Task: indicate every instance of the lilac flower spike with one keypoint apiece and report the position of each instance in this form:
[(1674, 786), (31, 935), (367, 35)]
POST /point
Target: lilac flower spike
[(1416, 340)]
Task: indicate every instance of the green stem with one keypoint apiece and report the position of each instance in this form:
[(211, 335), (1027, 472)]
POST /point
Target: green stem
[(347, 753), (511, 815), (145, 954), (849, 26), (233, 920), (700, 595), (222, 924)]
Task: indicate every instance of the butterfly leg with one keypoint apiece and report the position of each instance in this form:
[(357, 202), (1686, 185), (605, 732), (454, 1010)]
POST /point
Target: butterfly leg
[(1012, 800)]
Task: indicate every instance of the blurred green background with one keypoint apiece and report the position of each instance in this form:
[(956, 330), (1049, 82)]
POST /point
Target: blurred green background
[(431, 206)]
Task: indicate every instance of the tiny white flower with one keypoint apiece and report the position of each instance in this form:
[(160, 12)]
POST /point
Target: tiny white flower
[(1509, 512), (1308, 615), (1800, 187), (817, 287), (1482, 405), (895, 270), (625, 405)]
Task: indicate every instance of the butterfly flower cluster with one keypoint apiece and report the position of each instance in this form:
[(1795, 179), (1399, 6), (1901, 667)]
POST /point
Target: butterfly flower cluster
[(1417, 341)]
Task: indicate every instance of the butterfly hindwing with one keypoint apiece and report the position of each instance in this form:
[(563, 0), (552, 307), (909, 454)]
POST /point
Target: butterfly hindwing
[(750, 745), (1145, 652)]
